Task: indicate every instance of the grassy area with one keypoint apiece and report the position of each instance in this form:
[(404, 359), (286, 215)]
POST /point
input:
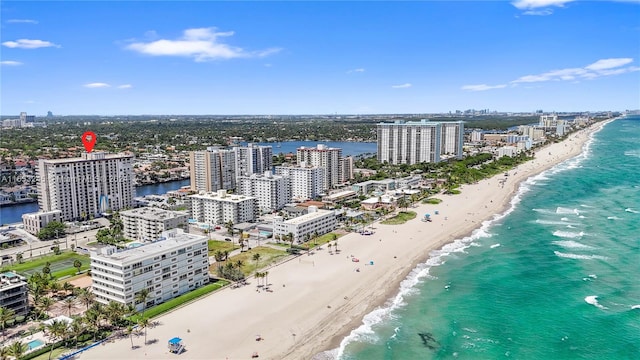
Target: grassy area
[(267, 257), (433, 201), (324, 239), (281, 244), (56, 353), (401, 218), (215, 245), (180, 300), (61, 265)]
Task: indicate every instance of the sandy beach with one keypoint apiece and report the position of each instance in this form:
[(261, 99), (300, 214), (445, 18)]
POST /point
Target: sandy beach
[(318, 299)]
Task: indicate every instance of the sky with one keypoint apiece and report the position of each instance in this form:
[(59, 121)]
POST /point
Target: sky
[(324, 57)]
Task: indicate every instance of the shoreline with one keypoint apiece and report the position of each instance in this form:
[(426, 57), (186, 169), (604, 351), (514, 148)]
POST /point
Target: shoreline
[(319, 299)]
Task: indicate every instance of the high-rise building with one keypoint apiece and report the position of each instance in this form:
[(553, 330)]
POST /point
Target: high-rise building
[(86, 186), (409, 142), (220, 208), (306, 182), (213, 169), (147, 223), (452, 138), (326, 158), (253, 159), (272, 192), (174, 264), (14, 294), (346, 165)]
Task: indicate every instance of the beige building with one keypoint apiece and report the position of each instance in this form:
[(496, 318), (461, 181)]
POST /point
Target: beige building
[(34, 222), (213, 169), (147, 223)]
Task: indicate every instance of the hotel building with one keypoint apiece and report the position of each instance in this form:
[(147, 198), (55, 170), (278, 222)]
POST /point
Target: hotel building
[(213, 169), (86, 186), (314, 222), (147, 223), (306, 182), (174, 264), (325, 157), (272, 192), (220, 208)]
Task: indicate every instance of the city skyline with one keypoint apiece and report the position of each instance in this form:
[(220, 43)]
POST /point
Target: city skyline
[(286, 58)]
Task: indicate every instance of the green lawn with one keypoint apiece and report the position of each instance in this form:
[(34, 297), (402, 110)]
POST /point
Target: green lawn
[(180, 300), (267, 257), (401, 218), (215, 245), (61, 265), (433, 201)]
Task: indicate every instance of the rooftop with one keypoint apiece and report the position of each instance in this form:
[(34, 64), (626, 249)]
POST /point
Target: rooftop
[(88, 157), (152, 213), (168, 240), (307, 217)]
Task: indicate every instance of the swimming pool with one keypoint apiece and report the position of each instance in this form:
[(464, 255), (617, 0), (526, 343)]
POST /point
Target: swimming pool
[(134, 245), (35, 344)]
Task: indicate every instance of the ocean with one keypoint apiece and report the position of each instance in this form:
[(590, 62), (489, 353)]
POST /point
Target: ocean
[(557, 276)]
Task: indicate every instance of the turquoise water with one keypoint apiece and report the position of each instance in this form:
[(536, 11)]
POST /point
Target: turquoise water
[(556, 277), (34, 344)]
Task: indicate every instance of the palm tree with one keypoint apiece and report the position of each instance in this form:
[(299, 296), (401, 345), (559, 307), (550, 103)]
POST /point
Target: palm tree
[(6, 315), (290, 238), (141, 297), (76, 329), (143, 323), (256, 258), (335, 245), (329, 246), (230, 230), (86, 297), (241, 242), (239, 263), (130, 333), (57, 329), (77, 264), (45, 304), (17, 349), (266, 278), (69, 302), (5, 352), (68, 287)]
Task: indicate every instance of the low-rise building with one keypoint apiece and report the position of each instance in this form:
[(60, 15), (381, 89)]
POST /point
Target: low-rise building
[(174, 264), (219, 208), (368, 186), (147, 223), (14, 293), (315, 222), (34, 222)]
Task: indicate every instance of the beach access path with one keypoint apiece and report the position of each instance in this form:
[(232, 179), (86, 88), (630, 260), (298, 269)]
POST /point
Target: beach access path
[(317, 299)]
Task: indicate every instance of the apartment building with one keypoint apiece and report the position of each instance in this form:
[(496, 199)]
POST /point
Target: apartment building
[(315, 222), (212, 169), (452, 138), (220, 208), (306, 182), (174, 264), (253, 159), (34, 222), (86, 186), (272, 192), (14, 293), (409, 142), (147, 223), (346, 165), (330, 159)]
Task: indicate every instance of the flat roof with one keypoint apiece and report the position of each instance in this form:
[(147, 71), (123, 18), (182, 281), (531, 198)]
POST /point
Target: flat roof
[(158, 247), (153, 213), (310, 216), (227, 197), (80, 159)]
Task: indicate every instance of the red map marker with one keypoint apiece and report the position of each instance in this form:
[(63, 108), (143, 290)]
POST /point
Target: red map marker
[(89, 140)]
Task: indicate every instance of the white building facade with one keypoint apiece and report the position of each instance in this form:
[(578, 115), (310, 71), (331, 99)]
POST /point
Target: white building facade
[(175, 264), (306, 182), (219, 208), (34, 222), (324, 157), (213, 169), (409, 142), (147, 223), (86, 186), (452, 138), (272, 192), (315, 222), (253, 159)]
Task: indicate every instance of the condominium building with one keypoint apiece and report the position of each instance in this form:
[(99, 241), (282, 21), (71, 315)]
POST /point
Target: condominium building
[(272, 192), (220, 208), (306, 182), (34, 222), (325, 157), (86, 186), (452, 138), (253, 159), (174, 264), (346, 169), (213, 169), (315, 222), (14, 294), (147, 223), (409, 142)]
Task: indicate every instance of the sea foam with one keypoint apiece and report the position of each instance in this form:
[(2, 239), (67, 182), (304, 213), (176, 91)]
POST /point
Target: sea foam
[(570, 244), (568, 234), (579, 256), (593, 300), (630, 210)]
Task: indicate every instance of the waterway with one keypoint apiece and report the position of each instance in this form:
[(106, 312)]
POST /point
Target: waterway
[(349, 148)]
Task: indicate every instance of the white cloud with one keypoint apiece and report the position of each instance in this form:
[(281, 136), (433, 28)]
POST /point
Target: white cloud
[(96, 85), (482, 87), (22, 21), (125, 86), (402, 86), (544, 12), (534, 4), (359, 70), (202, 44), (29, 44), (609, 63), (10, 63)]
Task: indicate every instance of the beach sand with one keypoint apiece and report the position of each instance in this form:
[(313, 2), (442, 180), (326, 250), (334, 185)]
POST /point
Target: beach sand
[(318, 299)]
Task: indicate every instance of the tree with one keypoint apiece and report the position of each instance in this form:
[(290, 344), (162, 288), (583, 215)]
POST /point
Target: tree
[(143, 323), (57, 331), (4, 353), (19, 257), (17, 349), (141, 297), (290, 238), (230, 230), (86, 297), (266, 276), (77, 264), (6, 315), (256, 258), (76, 329), (45, 304), (69, 302), (130, 334)]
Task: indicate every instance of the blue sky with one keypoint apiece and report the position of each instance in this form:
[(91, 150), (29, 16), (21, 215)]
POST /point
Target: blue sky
[(300, 57)]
